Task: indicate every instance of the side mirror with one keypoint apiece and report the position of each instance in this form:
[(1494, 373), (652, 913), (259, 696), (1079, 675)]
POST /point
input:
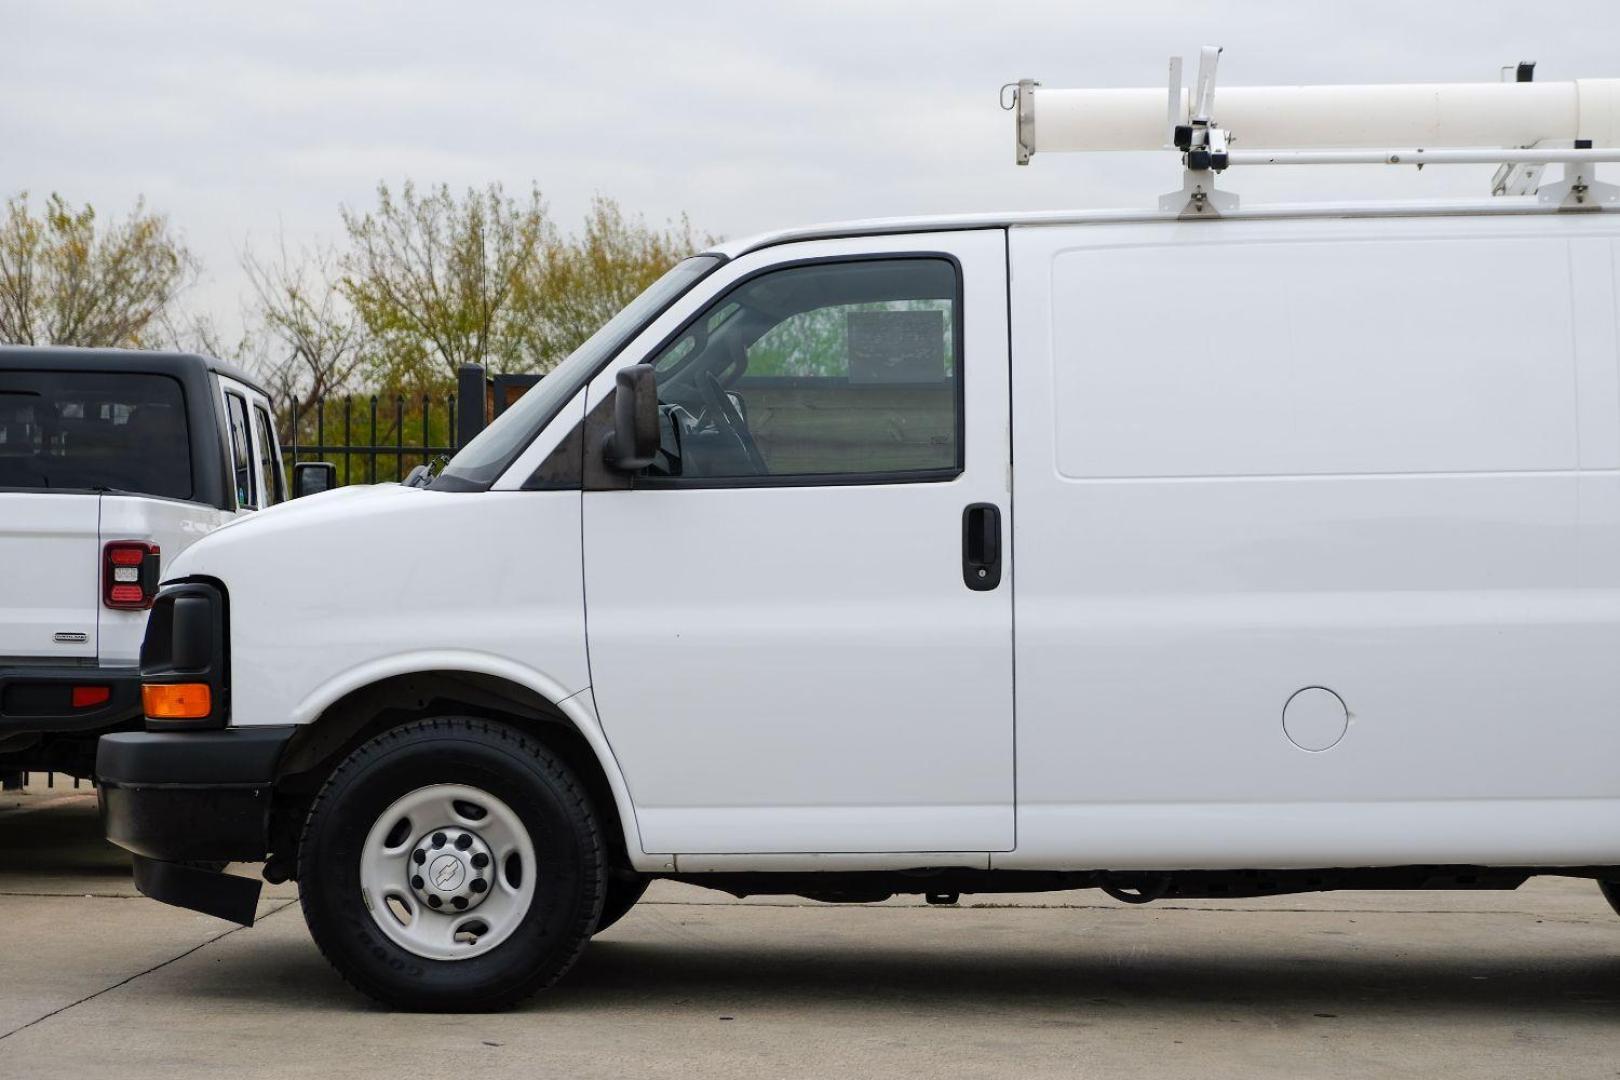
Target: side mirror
[(313, 477), (633, 442)]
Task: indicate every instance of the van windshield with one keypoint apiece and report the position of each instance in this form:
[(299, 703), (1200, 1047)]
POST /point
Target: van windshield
[(94, 431), (480, 463)]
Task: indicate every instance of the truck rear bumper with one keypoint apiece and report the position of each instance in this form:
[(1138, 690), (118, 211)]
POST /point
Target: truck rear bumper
[(40, 700), (193, 796)]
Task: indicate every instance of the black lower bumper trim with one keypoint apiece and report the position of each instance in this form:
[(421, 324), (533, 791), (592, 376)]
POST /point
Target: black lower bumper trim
[(245, 756), (188, 824), (224, 896), (190, 796), (40, 700)]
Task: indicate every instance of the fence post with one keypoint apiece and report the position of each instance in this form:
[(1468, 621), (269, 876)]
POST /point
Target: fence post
[(470, 403), (294, 431), (371, 474)]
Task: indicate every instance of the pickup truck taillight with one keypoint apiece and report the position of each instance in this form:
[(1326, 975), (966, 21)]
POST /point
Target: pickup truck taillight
[(129, 574)]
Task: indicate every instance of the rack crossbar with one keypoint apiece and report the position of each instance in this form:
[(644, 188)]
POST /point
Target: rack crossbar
[(1419, 156)]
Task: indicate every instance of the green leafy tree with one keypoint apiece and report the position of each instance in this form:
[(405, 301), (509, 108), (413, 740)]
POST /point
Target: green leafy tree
[(433, 278), (585, 278), (66, 279)]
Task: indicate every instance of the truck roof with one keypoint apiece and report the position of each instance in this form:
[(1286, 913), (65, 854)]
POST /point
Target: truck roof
[(73, 358), (1492, 206)]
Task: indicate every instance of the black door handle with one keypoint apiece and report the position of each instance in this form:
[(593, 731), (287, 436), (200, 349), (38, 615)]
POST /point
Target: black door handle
[(981, 546)]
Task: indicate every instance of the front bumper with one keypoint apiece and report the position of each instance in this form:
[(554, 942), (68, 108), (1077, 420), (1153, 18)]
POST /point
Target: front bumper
[(195, 796), (39, 700)]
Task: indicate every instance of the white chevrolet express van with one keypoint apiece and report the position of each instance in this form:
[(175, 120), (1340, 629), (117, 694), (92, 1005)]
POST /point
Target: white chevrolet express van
[(112, 462), (1265, 554)]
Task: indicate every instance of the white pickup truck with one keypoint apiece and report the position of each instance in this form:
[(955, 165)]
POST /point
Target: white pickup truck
[(112, 462)]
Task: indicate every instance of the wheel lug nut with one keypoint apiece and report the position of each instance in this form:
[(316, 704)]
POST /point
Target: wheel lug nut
[(438, 839), (459, 901), (463, 842), (416, 881), (480, 860), (434, 901), (479, 885)]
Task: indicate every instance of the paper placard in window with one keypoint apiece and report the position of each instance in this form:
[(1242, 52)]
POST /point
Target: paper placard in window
[(896, 346)]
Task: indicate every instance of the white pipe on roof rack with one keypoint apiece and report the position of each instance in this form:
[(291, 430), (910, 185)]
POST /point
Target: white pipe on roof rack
[(1339, 117)]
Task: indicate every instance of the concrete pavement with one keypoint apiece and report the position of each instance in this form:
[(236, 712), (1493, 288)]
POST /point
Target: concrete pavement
[(95, 980)]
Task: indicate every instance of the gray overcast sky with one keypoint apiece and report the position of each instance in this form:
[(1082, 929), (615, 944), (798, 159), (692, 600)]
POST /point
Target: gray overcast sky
[(244, 120)]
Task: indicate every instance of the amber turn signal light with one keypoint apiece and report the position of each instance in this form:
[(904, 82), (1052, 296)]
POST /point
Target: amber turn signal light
[(176, 701)]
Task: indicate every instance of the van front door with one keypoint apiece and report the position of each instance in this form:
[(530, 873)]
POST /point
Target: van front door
[(800, 617)]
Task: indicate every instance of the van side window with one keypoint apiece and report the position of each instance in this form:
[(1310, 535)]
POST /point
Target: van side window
[(823, 372), (236, 417), (270, 478)]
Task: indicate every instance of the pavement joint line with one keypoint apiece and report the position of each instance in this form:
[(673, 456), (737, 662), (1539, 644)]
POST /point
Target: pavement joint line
[(72, 895), (140, 974)]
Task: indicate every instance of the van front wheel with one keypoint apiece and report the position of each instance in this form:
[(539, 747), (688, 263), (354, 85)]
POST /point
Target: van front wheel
[(451, 865)]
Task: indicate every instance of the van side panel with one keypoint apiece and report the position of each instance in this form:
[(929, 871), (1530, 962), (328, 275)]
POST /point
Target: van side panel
[(1377, 458)]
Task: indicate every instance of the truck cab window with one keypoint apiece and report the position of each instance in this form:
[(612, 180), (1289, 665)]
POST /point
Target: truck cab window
[(84, 431), (818, 372), (242, 464), (271, 480)]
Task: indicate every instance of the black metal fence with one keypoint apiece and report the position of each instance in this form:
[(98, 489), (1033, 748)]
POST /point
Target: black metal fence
[(347, 432), (382, 437)]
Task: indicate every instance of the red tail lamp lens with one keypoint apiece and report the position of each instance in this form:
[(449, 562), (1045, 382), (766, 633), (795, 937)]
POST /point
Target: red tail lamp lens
[(125, 582), (88, 697)]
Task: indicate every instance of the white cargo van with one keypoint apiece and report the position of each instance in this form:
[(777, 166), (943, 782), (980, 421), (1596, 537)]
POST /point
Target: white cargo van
[(112, 462), (1272, 551)]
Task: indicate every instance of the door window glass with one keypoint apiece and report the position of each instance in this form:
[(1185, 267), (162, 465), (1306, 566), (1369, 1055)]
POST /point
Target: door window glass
[(242, 464), (271, 482), (819, 373)]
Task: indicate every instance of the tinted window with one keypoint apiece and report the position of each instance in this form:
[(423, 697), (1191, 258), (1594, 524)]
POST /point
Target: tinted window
[(241, 450), (820, 371), (81, 430), (481, 462), (270, 478)]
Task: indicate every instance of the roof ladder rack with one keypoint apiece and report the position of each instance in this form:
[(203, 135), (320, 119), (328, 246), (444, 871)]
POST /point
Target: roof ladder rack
[(1519, 125)]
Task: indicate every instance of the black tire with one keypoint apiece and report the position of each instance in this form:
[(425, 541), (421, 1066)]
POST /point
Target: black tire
[(511, 766), (622, 893), (1611, 893)]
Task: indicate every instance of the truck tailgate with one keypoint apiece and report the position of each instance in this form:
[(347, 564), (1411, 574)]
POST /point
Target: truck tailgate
[(50, 575)]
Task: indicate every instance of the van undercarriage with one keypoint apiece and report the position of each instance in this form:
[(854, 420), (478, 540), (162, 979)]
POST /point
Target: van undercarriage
[(1131, 887)]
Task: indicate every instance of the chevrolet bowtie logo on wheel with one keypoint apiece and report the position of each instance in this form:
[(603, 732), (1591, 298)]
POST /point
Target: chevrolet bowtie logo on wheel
[(447, 873)]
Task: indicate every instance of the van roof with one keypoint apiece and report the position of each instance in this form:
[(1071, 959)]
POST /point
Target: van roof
[(73, 358), (1493, 206)]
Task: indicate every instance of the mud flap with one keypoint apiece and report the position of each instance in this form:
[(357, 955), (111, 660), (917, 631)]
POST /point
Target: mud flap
[(224, 896)]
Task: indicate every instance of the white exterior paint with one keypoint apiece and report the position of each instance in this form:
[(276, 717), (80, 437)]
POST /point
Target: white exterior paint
[(1376, 454), (173, 526), (825, 629), (1390, 471), (50, 568), (51, 559)]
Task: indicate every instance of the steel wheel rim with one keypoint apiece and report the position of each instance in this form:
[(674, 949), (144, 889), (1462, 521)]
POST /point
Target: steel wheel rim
[(401, 909)]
